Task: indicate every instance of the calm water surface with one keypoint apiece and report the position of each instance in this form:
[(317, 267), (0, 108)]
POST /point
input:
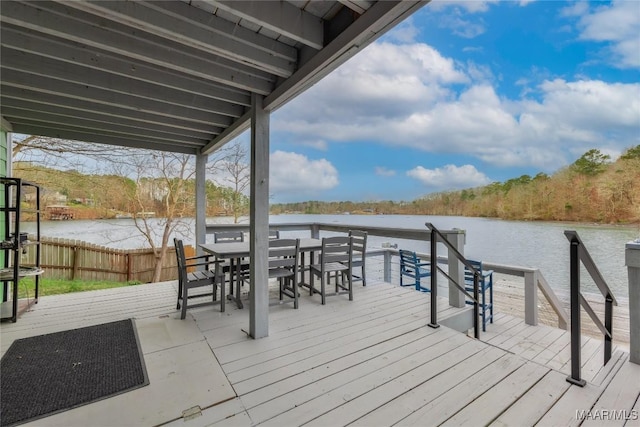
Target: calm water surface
[(531, 244)]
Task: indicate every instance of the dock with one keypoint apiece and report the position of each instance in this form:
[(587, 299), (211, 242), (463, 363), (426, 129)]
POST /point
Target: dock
[(371, 362)]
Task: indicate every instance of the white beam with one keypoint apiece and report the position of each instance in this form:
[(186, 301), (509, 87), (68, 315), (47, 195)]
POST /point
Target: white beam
[(178, 27), (52, 48), (5, 124), (281, 17), (103, 96), (25, 108), (79, 27), (96, 125), (358, 6), (233, 131), (49, 67), (259, 220), (80, 135), (111, 112)]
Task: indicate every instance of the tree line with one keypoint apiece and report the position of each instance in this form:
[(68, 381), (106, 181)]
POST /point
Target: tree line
[(592, 189)]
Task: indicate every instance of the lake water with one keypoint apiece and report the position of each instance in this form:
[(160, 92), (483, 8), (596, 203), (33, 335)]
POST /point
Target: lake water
[(532, 244)]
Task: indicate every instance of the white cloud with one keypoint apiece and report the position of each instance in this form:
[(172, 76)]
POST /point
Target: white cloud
[(619, 24), (406, 96), (292, 173), (382, 171), (449, 177), (405, 32), (471, 6)]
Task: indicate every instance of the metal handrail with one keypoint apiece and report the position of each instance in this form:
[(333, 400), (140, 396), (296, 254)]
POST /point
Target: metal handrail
[(578, 253), (434, 279)]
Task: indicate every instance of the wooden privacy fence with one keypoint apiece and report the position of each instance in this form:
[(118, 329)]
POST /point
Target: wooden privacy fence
[(77, 260)]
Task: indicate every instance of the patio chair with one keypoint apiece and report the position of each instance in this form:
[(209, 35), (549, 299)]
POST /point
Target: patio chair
[(411, 266), (359, 248), (274, 234), (191, 275), (243, 270), (228, 236), (485, 284), (284, 260), (336, 257)]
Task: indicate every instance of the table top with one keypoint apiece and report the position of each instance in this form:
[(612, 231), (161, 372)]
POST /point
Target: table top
[(241, 249)]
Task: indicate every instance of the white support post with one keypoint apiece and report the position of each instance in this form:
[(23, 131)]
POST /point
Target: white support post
[(456, 269), (201, 201), (259, 219), (632, 261), (531, 298), (387, 266)]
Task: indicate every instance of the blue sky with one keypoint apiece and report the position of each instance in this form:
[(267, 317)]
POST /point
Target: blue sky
[(462, 94)]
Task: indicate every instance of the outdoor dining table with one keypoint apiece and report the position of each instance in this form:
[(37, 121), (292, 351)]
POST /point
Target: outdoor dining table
[(235, 251)]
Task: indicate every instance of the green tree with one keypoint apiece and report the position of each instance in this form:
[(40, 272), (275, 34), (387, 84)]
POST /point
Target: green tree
[(631, 153), (592, 163)]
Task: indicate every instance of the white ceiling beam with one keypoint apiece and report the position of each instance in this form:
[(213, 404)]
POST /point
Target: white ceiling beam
[(77, 26), (47, 67), (81, 135), (278, 16), (178, 28), (96, 126), (358, 6), (19, 107), (196, 16), (38, 83), (113, 112), (236, 129), (5, 124), (42, 45)]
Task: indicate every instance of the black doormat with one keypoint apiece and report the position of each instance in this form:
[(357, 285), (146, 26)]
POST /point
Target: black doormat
[(51, 373)]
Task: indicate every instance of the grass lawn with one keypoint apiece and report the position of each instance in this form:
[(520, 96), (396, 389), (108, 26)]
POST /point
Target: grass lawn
[(26, 287)]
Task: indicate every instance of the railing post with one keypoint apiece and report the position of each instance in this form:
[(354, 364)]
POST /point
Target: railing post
[(574, 273), (608, 325), (434, 279), (456, 269), (632, 261), (476, 306), (387, 266), (315, 231), (531, 298)]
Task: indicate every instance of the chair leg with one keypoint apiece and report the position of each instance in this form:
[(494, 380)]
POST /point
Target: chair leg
[(223, 297), (183, 313), (364, 276), (350, 279), (323, 294)]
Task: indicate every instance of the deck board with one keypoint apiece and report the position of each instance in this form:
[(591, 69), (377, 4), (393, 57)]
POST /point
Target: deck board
[(368, 362)]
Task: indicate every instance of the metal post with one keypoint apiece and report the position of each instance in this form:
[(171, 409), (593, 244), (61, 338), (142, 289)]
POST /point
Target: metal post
[(608, 325), (574, 279), (434, 279), (476, 307)]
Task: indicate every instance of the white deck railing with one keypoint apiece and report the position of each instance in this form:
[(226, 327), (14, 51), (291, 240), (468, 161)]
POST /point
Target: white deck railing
[(386, 260)]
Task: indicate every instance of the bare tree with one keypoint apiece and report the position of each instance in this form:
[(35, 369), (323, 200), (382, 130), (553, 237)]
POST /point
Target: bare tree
[(162, 197), (231, 168), (64, 153)]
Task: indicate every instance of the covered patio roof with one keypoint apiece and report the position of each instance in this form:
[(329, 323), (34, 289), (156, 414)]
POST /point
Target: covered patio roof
[(179, 76), (171, 75)]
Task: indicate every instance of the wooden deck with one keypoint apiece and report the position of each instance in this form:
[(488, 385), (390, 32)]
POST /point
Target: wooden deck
[(369, 362)]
